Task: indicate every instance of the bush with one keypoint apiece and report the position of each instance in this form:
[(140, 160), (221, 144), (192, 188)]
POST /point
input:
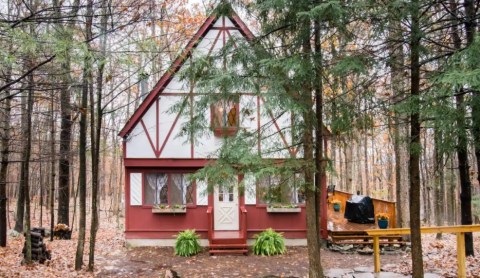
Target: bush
[(269, 243), (187, 244)]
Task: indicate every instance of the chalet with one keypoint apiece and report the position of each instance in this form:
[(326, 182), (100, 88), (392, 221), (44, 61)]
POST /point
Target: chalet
[(161, 201)]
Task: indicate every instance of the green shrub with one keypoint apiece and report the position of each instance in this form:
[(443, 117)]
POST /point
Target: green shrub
[(187, 244), (269, 243)]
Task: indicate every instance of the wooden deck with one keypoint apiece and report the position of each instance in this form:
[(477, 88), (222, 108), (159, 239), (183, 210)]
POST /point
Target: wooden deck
[(341, 231), (337, 222)]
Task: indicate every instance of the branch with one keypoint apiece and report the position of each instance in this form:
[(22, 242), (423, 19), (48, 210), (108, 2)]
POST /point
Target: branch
[(6, 86)]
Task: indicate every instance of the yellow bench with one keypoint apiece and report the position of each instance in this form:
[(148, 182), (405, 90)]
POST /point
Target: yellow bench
[(458, 230)]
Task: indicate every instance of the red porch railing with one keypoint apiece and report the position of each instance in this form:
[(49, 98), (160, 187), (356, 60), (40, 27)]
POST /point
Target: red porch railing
[(210, 223), (243, 223)]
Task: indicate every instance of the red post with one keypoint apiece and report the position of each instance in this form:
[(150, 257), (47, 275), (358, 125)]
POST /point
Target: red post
[(210, 222), (244, 222)]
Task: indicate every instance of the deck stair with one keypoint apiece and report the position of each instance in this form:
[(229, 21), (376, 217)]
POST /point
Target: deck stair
[(227, 242), (361, 237)]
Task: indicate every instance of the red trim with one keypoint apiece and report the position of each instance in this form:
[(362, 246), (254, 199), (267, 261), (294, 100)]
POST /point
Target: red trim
[(161, 230), (171, 130), (230, 37), (149, 138), (201, 94), (225, 28), (168, 163), (126, 189), (157, 125), (214, 43), (163, 82), (242, 26)]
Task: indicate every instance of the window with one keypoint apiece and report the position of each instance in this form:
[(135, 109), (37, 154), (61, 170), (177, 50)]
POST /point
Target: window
[(224, 118), (281, 189), (168, 189)]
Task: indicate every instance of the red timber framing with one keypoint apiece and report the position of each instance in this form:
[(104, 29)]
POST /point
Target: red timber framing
[(141, 223), (177, 64)]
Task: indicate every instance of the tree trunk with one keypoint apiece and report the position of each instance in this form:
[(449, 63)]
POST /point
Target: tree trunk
[(96, 132), (439, 181), (315, 268), (65, 115), (19, 221), (415, 145), (27, 135), (52, 166), (5, 107), (87, 77), (466, 195)]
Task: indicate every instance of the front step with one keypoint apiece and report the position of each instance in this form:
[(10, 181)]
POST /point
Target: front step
[(228, 248), (229, 251)]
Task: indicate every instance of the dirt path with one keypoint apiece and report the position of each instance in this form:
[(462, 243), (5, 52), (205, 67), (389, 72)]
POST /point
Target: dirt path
[(153, 262)]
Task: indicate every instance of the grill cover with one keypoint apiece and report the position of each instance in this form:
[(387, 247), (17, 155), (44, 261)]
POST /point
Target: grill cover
[(359, 209)]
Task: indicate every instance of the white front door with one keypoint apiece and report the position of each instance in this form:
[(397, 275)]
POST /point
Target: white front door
[(226, 215)]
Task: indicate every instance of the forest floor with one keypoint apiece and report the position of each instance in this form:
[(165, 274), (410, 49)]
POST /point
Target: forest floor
[(113, 259)]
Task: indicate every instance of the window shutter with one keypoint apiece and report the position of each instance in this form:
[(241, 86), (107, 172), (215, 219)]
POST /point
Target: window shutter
[(135, 189), (250, 189), (202, 194)]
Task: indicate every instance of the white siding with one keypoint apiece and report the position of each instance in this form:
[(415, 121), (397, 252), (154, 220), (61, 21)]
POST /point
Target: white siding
[(135, 189), (207, 144), (206, 43), (248, 115), (250, 189), (228, 23), (166, 118), (177, 86), (150, 121), (177, 146), (237, 36), (138, 145), (218, 23), (202, 194)]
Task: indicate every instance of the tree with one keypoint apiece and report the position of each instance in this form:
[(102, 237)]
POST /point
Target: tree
[(82, 148), (414, 143), (65, 35), (470, 23), (95, 134), (5, 141), (27, 134)]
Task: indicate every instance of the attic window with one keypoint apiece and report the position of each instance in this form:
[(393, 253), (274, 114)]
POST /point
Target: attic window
[(224, 118)]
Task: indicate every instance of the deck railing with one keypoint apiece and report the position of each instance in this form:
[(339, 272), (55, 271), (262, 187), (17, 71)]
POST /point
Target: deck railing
[(458, 230)]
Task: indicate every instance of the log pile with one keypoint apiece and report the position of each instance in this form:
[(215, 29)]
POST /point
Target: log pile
[(39, 249)]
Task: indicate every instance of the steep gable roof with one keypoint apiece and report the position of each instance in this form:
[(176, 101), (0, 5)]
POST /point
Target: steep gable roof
[(179, 61)]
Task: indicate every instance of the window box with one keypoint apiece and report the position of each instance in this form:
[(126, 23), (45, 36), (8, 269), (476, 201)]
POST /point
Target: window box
[(225, 131), (284, 209), (224, 118), (171, 210)]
